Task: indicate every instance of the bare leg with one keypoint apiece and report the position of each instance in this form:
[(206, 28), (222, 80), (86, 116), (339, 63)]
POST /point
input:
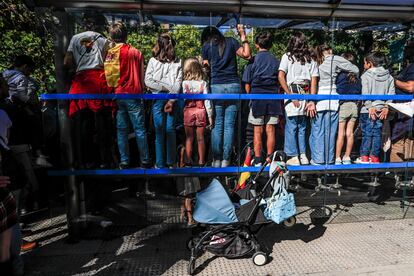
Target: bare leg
[(271, 140), (257, 138), (201, 145), (5, 242), (189, 210), (349, 138), (189, 134), (340, 139)]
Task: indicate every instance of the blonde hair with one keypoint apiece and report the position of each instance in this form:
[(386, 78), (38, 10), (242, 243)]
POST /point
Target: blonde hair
[(193, 70)]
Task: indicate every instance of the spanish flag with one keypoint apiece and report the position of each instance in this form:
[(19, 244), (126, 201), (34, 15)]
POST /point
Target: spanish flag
[(244, 177)]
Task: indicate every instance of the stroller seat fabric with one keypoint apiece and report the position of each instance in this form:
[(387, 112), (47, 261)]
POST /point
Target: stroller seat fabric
[(213, 205)]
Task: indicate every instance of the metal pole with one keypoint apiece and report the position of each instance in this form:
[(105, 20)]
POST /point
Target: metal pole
[(63, 34)]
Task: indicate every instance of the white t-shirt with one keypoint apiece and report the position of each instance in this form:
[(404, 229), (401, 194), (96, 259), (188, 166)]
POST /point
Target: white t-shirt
[(5, 124), (89, 50), (297, 73)]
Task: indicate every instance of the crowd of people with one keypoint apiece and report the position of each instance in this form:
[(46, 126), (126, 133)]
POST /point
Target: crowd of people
[(104, 65), (110, 65)]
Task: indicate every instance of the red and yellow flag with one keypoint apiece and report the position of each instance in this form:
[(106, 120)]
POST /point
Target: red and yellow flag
[(244, 177)]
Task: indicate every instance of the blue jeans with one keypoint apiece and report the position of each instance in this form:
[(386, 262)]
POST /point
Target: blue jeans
[(371, 135), (295, 134), (132, 111), (165, 140), (222, 135), (323, 137)]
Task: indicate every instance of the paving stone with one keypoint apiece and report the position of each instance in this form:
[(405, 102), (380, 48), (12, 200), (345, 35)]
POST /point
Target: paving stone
[(363, 239)]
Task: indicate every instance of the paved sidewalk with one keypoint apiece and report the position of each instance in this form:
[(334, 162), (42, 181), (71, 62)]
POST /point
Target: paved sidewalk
[(364, 239)]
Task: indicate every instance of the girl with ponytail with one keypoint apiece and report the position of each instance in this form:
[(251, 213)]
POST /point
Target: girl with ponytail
[(325, 123)]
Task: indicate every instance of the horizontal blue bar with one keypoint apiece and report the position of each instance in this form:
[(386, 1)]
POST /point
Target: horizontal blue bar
[(48, 97), (317, 169)]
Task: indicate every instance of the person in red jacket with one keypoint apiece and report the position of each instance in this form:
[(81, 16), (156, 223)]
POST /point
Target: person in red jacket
[(85, 55), (124, 70)]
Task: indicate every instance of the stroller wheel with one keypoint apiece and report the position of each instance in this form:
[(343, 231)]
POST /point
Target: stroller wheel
[(190, 244), (289, 223), (259, 258), (191, 266)]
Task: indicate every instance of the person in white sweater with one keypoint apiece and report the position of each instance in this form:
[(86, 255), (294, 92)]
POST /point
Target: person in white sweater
[(164, 75)]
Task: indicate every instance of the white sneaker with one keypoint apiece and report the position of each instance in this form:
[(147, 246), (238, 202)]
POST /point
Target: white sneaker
[(225, 163), (41, 161), (346, 161), (294, 161), (313, 163), (216, 164), (338, 161), (303, 159)]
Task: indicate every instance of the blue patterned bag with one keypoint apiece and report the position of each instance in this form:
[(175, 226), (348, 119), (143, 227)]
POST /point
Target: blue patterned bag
[(280, 206)]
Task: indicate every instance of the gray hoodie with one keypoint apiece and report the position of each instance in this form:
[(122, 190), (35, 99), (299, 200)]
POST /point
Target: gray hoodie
[(21, 87), (331, 67), (376, 81)]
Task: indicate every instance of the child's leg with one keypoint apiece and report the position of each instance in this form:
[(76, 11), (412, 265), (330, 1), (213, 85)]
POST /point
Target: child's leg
[(301, 133), (365, 123), (270, 139), (291, 126), (201, 145), (189, 134), (189, 209), (376, 138), (349, 137), (159, 126), (257, 140), (5, 243), (332, 129), (171, 142), (340, 139)]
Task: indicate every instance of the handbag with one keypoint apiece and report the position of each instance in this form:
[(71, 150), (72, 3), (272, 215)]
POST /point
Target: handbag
[(280, 206)]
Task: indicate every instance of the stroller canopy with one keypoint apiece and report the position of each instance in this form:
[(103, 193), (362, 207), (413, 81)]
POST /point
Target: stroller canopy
[(214, 206)]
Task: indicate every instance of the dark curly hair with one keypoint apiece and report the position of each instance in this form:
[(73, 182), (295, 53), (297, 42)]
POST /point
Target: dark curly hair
[(352, 78), (298, 48), (264, 40)]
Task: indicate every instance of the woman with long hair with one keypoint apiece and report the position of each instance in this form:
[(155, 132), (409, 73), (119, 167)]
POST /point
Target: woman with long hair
[(164, 75), (220, 54)]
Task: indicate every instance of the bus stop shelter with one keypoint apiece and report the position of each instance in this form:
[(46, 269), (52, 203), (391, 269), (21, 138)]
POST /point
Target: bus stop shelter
[(329, 15)]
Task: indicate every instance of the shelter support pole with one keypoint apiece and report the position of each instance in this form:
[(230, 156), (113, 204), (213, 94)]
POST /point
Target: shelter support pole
[(64, 32)]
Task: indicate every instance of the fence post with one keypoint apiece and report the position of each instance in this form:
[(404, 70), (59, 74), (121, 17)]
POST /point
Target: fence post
[(62, 37)]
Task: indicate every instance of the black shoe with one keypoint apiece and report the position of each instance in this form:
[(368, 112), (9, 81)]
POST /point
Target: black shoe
[(123, 166), (146, 165), (104, 166)]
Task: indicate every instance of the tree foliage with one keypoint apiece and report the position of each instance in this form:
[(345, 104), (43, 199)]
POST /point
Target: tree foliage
[(23, 31)]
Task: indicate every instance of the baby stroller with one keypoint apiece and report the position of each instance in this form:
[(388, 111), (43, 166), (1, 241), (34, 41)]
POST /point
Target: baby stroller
[(231, 226)]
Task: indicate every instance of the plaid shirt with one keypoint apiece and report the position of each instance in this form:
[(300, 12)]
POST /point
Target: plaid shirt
[(8, 211)]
